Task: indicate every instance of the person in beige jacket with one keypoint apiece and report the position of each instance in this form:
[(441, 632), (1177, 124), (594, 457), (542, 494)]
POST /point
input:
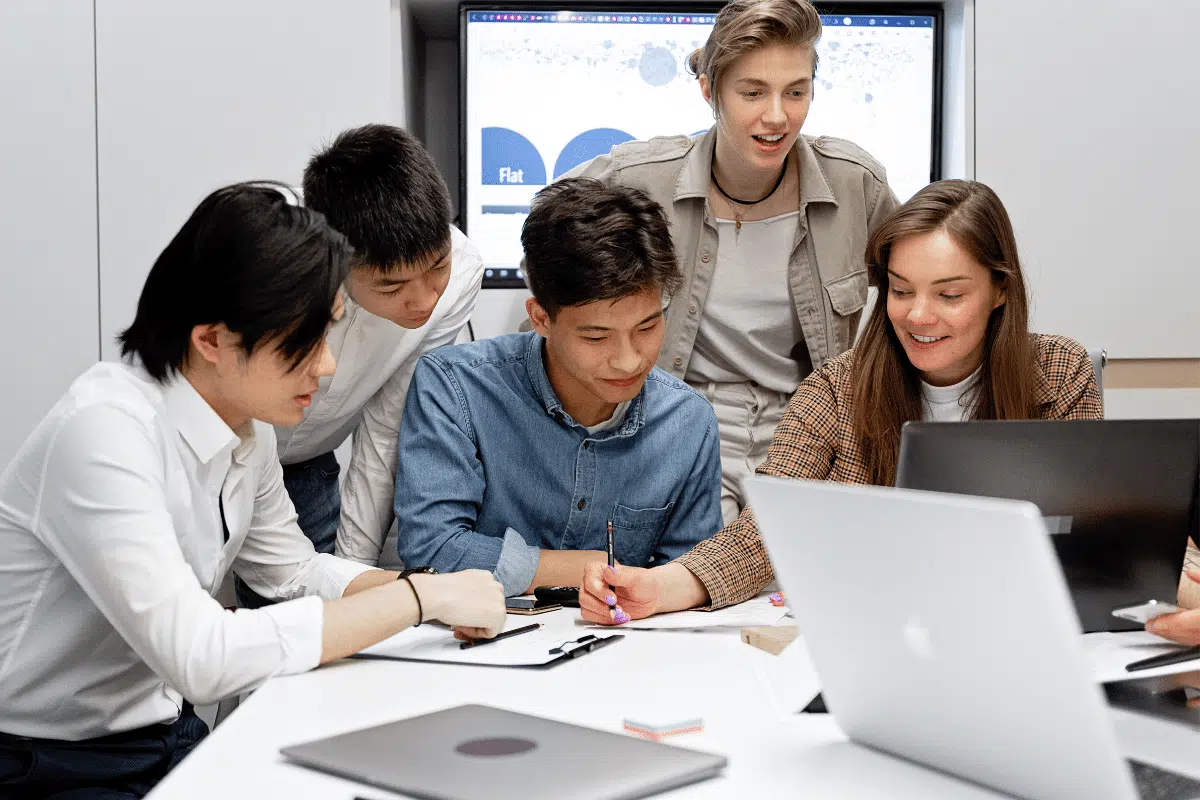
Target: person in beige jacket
[(769, 225)]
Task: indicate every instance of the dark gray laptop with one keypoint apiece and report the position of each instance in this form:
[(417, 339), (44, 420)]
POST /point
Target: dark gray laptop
[(1119, 496), (476, 752)]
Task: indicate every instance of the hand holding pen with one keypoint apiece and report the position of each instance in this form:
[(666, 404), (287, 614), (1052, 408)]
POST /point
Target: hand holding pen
[(615, 614)]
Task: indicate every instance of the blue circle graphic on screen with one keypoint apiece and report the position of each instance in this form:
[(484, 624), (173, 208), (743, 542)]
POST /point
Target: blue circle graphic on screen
[(587, 146), (509, 159)]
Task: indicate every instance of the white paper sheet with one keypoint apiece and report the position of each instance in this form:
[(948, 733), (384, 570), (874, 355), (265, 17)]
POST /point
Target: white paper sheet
[(437, 643), (758, 611), (1110, 652)]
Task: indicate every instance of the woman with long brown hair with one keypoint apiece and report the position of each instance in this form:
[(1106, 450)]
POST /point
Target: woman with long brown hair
[(947, 341)]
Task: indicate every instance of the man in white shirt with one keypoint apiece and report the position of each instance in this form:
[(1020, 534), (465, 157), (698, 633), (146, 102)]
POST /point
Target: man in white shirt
[(149, 481), (413, 286)]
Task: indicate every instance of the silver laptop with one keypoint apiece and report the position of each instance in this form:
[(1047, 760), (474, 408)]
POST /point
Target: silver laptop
[(476, 752), (943, 633)]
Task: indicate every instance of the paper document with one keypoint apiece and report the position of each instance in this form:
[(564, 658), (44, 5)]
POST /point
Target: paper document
[(758, 611), (533, 649), (1110, 652)]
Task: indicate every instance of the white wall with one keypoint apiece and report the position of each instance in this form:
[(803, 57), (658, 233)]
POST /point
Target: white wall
[(48, 284), (1087, 127), (192, 96)]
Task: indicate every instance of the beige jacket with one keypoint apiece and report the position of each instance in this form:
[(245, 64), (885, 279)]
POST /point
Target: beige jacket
[(843, 194)]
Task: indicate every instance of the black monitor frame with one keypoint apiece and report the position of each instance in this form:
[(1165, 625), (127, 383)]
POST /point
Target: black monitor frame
[(901, 9)]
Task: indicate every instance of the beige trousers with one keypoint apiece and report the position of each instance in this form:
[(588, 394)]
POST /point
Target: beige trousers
[(747, 415)]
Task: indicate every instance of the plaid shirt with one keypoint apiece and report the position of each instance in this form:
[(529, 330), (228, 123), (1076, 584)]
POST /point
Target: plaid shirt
[(815, 440)]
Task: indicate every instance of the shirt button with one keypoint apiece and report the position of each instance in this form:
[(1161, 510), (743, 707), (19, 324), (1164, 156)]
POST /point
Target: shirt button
[(692, 308), (704, 257), (678, 361), (587, 445), (582, 503)]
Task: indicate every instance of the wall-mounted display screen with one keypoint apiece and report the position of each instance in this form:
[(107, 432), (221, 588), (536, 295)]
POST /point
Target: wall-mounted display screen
[(546, 89)]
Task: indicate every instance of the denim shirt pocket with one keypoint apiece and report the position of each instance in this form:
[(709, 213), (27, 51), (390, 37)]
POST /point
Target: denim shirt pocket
[(636, 531)]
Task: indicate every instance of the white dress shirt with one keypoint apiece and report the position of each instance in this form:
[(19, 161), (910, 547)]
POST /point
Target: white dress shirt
[(375, 362), (112, 548)]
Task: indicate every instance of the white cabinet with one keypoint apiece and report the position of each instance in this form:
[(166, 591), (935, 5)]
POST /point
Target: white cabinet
[(48, 284)]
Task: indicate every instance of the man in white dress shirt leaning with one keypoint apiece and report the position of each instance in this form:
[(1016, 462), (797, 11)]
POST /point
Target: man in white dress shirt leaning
[(413, 286), (149, 481)]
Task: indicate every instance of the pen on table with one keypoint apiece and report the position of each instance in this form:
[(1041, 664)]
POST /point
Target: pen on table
[(612, 564), (499, 636), (1164, 660)]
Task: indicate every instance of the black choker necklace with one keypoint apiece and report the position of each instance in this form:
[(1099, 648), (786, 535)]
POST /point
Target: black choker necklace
[(712, 172)]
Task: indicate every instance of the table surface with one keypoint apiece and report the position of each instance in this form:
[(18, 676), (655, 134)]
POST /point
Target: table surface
[(746, 698)]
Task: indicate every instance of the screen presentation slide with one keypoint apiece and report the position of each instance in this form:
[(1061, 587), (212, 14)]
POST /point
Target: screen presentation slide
[(548, 91)]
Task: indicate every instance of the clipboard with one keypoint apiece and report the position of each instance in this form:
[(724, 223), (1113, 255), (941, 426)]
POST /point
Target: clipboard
[(542, 648)]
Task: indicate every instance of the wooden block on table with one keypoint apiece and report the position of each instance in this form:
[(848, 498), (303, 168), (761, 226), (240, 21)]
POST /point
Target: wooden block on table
[(772, 638)]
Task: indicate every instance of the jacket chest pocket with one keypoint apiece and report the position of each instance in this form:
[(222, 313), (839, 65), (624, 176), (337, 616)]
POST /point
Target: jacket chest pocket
[(847, 296), (636, 532)]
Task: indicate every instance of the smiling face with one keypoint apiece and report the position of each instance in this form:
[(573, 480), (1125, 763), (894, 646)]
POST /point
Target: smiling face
[(405, 295), (764, 100), (939, 303), (598, 354)]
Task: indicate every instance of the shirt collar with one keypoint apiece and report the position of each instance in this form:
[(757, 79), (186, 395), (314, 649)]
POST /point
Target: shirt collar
[(201, 427), (694, 178), (536, 366)]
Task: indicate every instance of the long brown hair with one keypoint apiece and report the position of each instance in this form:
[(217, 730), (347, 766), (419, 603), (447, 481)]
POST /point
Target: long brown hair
[(886, 385)]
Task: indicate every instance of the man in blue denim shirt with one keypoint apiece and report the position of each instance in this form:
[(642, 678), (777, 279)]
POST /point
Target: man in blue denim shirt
[(520, 451)]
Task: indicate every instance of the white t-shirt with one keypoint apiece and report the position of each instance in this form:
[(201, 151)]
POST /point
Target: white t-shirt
[(949, 403), (618, 416), (749, 325)]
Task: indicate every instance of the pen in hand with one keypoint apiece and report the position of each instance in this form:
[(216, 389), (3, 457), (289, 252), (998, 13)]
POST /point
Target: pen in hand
[(611, 599), (615, 614), (498, 637)]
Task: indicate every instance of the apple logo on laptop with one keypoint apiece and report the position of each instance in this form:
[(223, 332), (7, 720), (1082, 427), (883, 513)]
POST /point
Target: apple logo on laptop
[(496, 746), (917, 639)]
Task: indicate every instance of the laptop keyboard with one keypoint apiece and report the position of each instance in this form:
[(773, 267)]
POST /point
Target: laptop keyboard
[(1159, 784)]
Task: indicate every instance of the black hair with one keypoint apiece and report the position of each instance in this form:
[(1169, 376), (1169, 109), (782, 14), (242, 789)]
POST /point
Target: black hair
[(250, 257), (585, 241), (379, 186)]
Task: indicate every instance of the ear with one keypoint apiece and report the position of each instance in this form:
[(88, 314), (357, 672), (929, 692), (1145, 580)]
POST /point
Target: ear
[(706, 91), (207, 340), (538, 317), (1001, 297)]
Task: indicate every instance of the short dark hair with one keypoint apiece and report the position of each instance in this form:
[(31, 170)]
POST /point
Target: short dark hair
[(585, 241), (378, 186), (250, 257)]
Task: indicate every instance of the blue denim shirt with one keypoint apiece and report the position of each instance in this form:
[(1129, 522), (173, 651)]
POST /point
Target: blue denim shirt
[(494, 470)]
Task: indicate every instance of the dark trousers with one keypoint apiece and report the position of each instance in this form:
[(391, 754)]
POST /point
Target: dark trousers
[(117, 767), (313, 487)]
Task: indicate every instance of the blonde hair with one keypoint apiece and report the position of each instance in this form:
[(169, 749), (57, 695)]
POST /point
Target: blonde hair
[(746, 25)]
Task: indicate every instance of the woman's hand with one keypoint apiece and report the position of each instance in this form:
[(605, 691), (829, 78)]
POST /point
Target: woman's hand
[(634, 591)]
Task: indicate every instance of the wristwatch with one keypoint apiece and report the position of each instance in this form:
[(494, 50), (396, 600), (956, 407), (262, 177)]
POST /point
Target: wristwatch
[(416, 571)]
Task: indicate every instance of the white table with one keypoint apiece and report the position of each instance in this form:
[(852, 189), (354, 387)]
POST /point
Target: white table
[(746, 698)]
